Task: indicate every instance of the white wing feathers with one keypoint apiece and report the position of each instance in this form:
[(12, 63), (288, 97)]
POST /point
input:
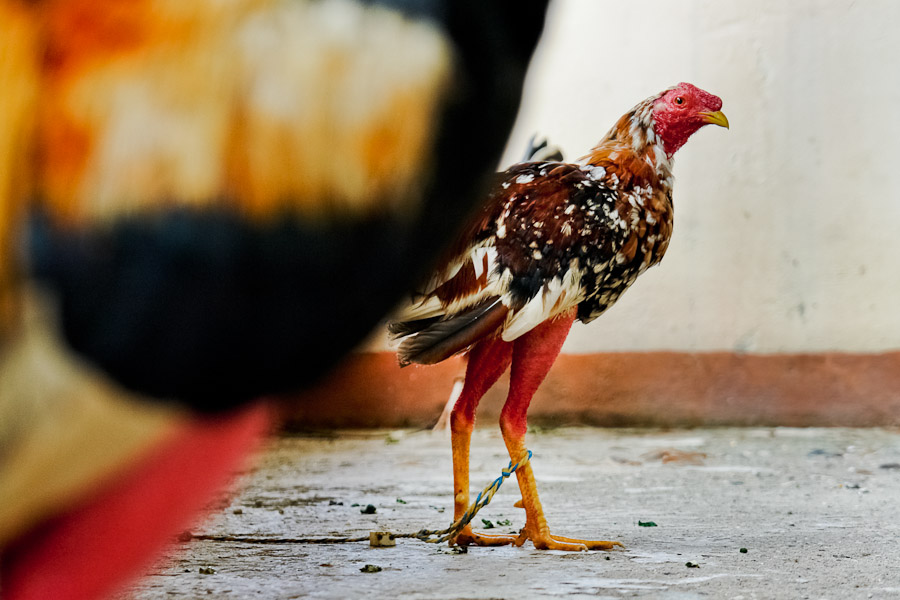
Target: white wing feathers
[(426, 304), (559, 296)]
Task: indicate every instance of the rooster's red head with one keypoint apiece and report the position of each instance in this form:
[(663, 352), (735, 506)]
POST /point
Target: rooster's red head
[(681, 111)]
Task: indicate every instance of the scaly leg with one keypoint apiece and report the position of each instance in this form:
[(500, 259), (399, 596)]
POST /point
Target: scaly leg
[(487, 362), (533, 355)]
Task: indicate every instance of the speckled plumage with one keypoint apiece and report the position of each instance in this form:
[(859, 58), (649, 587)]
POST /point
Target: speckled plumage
[(554, 242), (555, 236)]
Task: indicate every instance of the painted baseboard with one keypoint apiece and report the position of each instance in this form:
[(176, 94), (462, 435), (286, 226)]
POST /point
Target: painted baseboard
[(664, 389)]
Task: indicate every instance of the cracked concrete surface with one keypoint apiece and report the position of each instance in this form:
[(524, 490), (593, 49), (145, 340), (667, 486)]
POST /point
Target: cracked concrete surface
[(815, 509)]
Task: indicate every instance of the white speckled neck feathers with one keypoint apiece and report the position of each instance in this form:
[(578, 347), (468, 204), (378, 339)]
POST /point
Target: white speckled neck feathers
[(631, 147)]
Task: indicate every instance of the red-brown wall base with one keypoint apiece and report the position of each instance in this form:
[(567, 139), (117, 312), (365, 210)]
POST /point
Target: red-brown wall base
[(663, 389)]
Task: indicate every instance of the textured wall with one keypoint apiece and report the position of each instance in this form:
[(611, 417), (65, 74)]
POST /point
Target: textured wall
[(786, 226)]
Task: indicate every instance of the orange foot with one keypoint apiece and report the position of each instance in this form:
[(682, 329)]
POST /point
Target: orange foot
[(467, 537), (545, 541), (542, 540)]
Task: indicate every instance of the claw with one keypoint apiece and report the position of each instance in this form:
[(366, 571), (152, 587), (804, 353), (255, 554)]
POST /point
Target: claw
[(522, 538)]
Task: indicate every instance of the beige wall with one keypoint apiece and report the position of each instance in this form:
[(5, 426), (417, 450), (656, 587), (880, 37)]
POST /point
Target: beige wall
[(786, 227)]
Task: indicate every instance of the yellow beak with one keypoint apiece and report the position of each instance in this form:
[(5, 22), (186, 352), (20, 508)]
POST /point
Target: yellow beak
[(715, 118)]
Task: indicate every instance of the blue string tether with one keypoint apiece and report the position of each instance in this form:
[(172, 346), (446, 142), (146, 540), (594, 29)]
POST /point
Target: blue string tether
[(483, 499)]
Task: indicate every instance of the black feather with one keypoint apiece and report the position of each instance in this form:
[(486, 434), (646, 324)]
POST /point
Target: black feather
[(445, 338), (399, 329), (542, 151)]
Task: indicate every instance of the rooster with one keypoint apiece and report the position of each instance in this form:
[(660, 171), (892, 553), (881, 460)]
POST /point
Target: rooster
[(202, 203), (553, 243)]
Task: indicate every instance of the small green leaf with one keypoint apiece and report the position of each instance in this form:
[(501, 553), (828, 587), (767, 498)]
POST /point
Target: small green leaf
[(401, 501), (646, 524), (487, 524)]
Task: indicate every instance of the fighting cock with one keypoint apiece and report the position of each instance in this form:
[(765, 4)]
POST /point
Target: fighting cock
[(202, 203), (553, 243)]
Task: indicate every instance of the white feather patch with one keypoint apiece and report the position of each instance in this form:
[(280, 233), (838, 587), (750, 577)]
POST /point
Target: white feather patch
[(597, 173), (478, 259), (426, 306), (425, 309), (475, 254), (527, 178), (558, 296)]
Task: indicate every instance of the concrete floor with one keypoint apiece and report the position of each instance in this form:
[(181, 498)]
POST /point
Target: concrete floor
[(818, 511)]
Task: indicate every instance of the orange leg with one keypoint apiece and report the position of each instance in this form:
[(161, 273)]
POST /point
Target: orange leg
[(533, 355), (487, 362)]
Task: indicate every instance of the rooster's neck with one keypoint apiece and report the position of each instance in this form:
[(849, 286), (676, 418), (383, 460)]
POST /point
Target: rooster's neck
[(632, 154)]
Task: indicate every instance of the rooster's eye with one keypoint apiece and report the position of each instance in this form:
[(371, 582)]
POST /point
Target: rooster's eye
[(679, 100)]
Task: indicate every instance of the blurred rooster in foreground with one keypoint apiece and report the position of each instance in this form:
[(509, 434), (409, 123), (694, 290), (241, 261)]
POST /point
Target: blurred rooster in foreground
[(554, 243), (216, 201)]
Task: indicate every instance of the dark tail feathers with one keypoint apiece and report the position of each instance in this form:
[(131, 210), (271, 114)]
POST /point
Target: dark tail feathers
[(433, 340)]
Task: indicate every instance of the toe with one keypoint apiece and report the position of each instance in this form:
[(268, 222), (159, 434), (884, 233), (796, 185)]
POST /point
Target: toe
[(554, 544), (467, 537), (589, 544)]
